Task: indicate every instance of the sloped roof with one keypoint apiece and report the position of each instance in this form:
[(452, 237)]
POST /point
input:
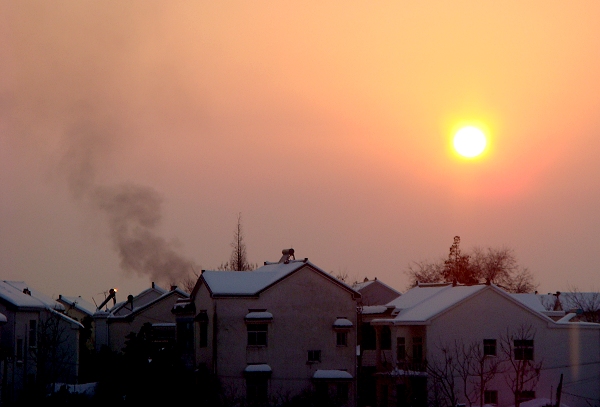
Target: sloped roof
[(78, 303), (422, 303), (534, 301), (251, 283), (12, 292), (124, 312), (362, 285)]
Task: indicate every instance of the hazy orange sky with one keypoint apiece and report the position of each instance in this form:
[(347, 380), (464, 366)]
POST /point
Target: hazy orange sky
[(326, 124)]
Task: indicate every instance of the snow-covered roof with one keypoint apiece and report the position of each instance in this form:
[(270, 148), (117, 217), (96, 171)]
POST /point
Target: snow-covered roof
[(143, 300), (534, 302), (78, 303), (259, 315), (332, 374), (422, 303), (342, 323), (259, 368), (250, 283), (363, 284), (13, 292), (374, 309)]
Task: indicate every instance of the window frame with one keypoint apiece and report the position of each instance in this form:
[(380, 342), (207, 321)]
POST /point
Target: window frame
[(314, 356), (401, 349), (341, 338), (490, 397), (257, 337), (523, 349), (490, 347)]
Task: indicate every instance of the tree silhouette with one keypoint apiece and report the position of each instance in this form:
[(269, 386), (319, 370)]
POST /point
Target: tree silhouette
[(493, 265), (238, 261)]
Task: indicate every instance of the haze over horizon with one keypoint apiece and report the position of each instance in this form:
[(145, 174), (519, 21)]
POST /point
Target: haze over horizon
[(326, 125)]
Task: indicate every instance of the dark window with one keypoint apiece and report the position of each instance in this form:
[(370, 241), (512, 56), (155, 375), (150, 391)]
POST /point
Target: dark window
[(185, 335), (257, 334), (314, 356), (525, 395), (489, 347), (417, 349), (368, 337), (523, 349), (490, 397), (386, 338), (33, 333), (401, 349), (203, 334), (342, 391), (257, 389), (19, 349), (322, 390), (341, 338)]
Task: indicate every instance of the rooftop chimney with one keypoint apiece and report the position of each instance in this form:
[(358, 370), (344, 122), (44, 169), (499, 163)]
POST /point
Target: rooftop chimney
[(26, 291)]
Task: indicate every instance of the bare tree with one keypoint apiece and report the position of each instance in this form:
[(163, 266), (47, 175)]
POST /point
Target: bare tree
[(586, 304), (522, 371), (52, 352), (238, 261), (497, 266), (443, 376), (463, 369)]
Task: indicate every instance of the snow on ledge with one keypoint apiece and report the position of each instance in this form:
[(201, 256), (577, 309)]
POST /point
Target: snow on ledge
[(332, 374), (342, 323), (262, 368), (259, 315)]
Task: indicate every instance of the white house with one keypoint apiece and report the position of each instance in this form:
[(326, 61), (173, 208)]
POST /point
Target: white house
[(40, 345), (272, 333), (432, 327)]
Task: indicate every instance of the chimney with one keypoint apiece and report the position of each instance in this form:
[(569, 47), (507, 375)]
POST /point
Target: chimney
[(288, 254), (130, 300), (26, 291), (173, 287)]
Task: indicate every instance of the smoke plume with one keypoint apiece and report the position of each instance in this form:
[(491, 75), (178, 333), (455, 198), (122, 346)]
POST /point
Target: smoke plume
[(133, 212)]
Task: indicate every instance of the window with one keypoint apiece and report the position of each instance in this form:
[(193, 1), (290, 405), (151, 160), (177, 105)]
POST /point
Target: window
[(203, 335), (490, 397), (257, 334), (368, 337), (525, 395), (401, 349), (19, 352), (257, 389), (341, 338), (202, 319), (417, 349), (32, 333), (385, 342), (523, 349), (489, 347), (314, 356), (185, 335)]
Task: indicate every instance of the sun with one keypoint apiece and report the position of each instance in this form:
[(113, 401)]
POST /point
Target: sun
[(469, 142)]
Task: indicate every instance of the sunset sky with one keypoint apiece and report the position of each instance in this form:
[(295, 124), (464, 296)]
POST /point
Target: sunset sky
[(327, 125)]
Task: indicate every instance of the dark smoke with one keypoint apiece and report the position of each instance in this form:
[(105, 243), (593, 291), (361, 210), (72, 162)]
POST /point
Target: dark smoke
[(133, 212)]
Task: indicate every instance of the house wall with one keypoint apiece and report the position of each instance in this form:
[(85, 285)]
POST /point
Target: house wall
[(377, 294), (118, 329), (571, 350), (18, 372), (304, 307)]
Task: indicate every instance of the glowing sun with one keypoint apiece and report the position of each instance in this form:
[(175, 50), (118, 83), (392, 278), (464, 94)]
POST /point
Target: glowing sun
[(469, 142)]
